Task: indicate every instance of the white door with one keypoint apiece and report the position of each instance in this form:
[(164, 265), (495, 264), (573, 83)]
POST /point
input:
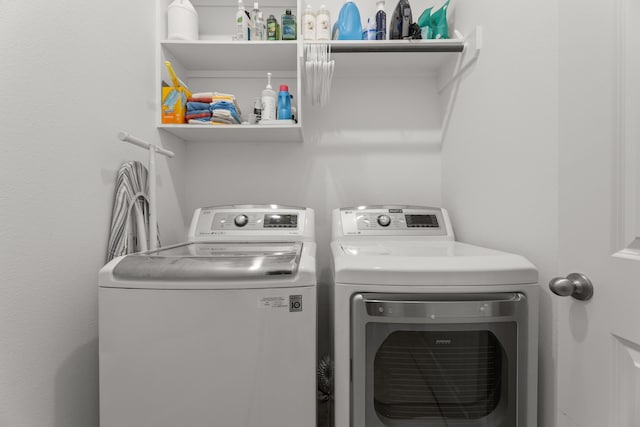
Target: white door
[(598, 341)]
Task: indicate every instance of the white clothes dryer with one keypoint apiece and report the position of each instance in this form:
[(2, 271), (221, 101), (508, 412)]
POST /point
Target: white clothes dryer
[(428, 331), (218, 331)]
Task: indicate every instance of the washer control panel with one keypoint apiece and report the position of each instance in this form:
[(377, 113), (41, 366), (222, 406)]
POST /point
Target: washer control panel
[(394, 221), (251, 221), (254, 221)]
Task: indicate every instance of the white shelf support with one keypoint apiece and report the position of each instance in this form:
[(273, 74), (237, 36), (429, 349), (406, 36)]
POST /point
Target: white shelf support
[(472, 45), (468, 56), (153, 149)]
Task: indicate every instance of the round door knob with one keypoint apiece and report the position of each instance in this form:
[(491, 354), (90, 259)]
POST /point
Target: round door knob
[(241, 220), (575, 284), (384, 220)]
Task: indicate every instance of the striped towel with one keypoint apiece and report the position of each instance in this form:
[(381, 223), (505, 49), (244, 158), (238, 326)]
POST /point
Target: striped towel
[(130, 216)]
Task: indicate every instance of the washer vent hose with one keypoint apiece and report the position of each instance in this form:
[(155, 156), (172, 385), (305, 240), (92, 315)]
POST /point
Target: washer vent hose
[(325, 379)]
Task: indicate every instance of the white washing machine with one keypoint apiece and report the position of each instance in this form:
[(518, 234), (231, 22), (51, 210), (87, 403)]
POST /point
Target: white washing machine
[(428, 331), (219, 331)]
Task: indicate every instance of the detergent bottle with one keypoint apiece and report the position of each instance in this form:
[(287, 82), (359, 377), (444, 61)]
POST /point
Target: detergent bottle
[(323, 24), (182, 21), (284, 103), (348, 26)]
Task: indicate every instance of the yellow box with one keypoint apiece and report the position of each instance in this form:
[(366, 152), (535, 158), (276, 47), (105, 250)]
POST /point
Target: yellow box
[(174, 105)]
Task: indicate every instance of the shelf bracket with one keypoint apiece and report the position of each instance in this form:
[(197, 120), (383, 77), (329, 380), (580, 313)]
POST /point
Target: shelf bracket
[(472, 47)]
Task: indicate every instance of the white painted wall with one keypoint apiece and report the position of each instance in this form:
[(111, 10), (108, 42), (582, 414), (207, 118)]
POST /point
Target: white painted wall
[(498, 169), (350, 156), (74, 74), (500, 159)]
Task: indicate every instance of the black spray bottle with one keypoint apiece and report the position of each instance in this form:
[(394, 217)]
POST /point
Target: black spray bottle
[(381, 21)]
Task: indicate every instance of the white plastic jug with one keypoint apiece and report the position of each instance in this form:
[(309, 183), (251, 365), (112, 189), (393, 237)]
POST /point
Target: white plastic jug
[(182, 21)]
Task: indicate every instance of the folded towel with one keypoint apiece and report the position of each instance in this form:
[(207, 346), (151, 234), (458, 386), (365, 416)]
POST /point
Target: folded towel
[(228, 98), (197, 106), (202, 121), (202, 95), (225, 116), (226, 106), (202, 99), (198, 115)]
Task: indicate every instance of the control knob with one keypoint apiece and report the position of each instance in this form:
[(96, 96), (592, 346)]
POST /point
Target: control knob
[(384, 220), (241, 220)]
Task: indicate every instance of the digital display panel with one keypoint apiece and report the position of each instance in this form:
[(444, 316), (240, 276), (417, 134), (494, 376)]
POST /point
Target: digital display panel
[(429, 221), (395, 210), (280, 221)]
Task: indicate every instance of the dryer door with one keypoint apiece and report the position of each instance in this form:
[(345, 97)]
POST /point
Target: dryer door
[(431, 361)]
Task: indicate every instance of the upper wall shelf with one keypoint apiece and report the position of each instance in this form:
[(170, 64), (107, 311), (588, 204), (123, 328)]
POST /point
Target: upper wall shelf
[(394, 57), (227, 55), (392, 46)]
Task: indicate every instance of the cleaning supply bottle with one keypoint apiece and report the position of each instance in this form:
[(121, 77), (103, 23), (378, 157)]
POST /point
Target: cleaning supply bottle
[(268, 101), (242, 23), (289, 30), (272, 24), (369, 33), (284, 103), (381, 21), (255, 25), (349, 25), (259, 29), (263, 27), (182, 21), (323, 24), (309, 24)]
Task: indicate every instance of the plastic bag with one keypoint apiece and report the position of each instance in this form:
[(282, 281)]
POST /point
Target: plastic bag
[(424, 22), (433, 23), (438, 23)]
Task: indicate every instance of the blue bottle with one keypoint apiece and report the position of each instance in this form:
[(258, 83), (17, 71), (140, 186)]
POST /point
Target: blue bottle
[(284, 103), (348, 26)]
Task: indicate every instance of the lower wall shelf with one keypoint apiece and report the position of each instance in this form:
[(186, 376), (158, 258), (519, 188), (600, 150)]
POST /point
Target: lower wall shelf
[(236, 133)]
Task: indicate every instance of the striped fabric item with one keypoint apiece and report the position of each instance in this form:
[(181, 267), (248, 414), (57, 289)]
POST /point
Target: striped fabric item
[(130, 216)]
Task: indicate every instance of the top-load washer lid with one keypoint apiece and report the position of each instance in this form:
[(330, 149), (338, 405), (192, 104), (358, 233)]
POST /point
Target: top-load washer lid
[(233, 261), (415, 262)]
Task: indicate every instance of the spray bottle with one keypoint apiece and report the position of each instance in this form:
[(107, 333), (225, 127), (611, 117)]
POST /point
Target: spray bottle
[(381, 21)]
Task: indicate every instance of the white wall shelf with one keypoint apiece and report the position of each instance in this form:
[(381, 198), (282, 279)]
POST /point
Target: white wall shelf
[(236, 133), (220, 55), (394, 46), (391, 58), (215, 63)]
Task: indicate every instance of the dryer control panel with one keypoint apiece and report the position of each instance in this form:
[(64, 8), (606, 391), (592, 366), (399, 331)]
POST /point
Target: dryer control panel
[(393, 221), (253, 222)]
